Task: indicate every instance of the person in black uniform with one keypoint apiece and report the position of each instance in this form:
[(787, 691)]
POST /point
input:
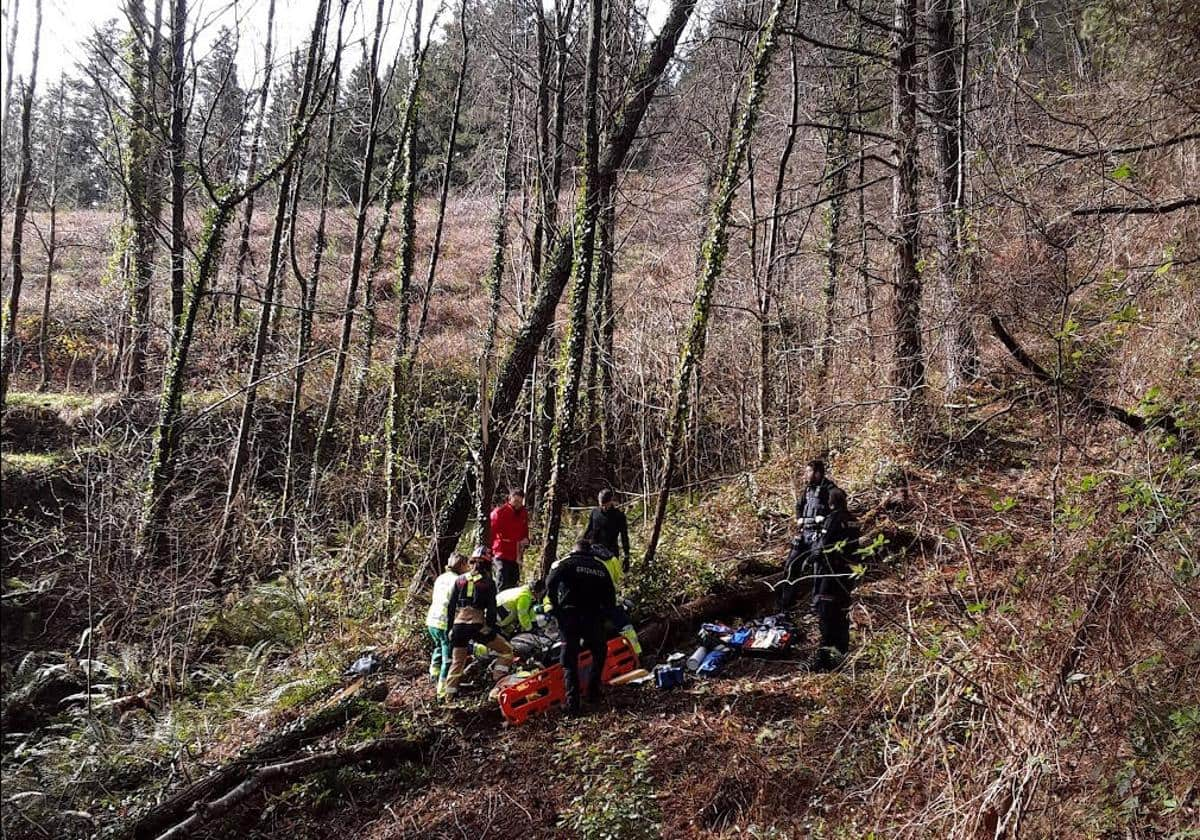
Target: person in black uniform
[(811, 510), (581, 592), (835, 547), (607, 526)]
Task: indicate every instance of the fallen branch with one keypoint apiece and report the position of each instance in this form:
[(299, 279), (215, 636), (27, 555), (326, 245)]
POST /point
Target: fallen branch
[(394, 750), (1136, 422), (340, 710)]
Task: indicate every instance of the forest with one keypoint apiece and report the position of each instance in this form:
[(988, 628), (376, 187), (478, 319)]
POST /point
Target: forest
[(297, 294)]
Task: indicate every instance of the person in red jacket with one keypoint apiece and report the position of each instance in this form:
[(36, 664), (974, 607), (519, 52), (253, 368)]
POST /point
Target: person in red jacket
[(510, 538)]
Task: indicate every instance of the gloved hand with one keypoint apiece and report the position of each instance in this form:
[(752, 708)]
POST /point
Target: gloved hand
[(540, 620)]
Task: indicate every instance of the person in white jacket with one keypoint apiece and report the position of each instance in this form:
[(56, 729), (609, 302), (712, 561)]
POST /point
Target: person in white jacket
[(435, 620)]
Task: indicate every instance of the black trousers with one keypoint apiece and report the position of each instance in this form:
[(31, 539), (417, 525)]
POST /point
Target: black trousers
[(506, 573), (586, 628), (833, 617), (793, 570)]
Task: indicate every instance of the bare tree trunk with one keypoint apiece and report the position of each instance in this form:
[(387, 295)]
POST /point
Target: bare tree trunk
[(178, 150), (908, 363), (20, 210), (543, 405), (864, 256), (241, 448), (837, 165), (444, 191), (588, 214), (716, 243), (948, 80), (402, 284), (165, 435), (139, 172), (495, 277), (607, 331), (766, 385), (395, 182), (360, 221), (514, 371), (243, 252), (308, 285), (10, 55), (50, 241)]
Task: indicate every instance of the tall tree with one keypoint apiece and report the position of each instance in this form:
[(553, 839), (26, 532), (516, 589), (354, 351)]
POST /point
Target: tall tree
[(766, 291), (139, 175), (256, 139), (447, 172), (492, 285), (52, 183), (225, 200), (178, 149), (518, 362), (837, 167), (220, 102), (308, 284), (713, 251), (325, 429), (20, 210), (287, 183), (908, 363), (401, 286), (947, 95), (587, 215)]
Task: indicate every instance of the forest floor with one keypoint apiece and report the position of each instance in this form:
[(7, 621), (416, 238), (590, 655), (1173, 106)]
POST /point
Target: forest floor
[(768, 750)]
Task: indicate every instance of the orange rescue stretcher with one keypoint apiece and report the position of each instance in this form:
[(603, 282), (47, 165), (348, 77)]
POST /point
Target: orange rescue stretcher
[(547, 688)]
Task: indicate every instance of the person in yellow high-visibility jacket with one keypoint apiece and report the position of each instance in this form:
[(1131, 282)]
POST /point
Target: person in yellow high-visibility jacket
[(515, 607)]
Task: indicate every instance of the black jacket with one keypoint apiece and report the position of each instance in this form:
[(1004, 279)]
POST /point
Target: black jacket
[(474, 592), (608, 528), (814, 503), (833, 552), (581, 583)]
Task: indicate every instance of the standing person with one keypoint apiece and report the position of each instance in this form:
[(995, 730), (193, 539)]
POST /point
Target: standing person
[(581, 593), (437, 617), (836, 544), (510, 538), (811, 509), (608, 527), (471, 615)]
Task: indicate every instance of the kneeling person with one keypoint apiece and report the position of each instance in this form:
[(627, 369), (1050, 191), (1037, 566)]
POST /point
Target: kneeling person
[(472, 618), (515, 607), (582, 594)]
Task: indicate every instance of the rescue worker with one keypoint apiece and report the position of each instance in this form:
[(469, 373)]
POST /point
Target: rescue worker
[(471, 616), (617, 619), (608, 527), (510, 538), (515, 607), (833, 551), (581, 593), (811, 509), (436, 620)]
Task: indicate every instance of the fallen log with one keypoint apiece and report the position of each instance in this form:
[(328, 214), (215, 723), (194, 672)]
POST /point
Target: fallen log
[(345, 706), (393, 750), (744, 598)]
